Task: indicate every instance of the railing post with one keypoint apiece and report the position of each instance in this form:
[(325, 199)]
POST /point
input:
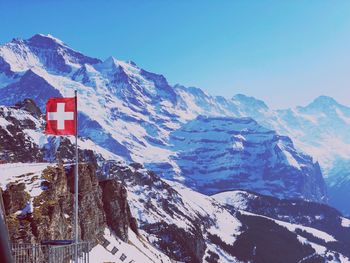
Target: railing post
[(88, 252), (49, 253)]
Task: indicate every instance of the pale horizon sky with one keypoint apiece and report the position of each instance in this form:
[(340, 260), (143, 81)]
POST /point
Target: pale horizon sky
[(286, 53)]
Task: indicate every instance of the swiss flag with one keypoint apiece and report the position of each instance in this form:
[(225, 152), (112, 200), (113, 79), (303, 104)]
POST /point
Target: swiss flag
[(61, 116)]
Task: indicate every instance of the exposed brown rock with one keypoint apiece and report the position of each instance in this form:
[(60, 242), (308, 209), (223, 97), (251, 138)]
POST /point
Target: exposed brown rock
[(101, 205), (15, 198), (92, 217), (119, 218), (30, 106)]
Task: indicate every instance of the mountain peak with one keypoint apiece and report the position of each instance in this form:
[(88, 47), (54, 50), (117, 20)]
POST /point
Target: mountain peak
[(45, 41), (110, 61), (250, 101), (110, 64), (323, 101)]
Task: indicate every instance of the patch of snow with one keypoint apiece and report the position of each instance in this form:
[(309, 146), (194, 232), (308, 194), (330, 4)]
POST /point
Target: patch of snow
[(342, 116), (53, 38), (4, 123), (223, 255), (22, 172), (322, 251), (238, 146), (345, 222), (291, 160), (293, 227), (135, 251), (36, 136), (289, 157), (27, 209), (237, 199)]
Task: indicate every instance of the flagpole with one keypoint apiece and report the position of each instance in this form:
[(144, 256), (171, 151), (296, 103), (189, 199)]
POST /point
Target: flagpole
[(76, 185)]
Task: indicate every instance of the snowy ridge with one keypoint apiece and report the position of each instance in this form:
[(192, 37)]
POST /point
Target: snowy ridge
[(13, 172)]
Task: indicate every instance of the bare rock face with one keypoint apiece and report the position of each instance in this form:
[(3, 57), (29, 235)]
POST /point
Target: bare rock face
[(53, 209), (50, 215), (30, 106), (188, 245), (15, 143), (117, 209), (16, 199), (92, 217)]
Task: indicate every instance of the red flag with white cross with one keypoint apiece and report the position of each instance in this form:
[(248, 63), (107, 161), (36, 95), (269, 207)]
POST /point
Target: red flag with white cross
[(61, 116)]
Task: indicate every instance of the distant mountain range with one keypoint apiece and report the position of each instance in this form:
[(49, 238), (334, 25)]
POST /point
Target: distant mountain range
[(183, 133)]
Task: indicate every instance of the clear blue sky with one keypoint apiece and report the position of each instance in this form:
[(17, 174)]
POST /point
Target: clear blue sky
[(284, 52)]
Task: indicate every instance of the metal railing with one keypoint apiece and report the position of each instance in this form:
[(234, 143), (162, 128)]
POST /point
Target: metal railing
[(39, 253)]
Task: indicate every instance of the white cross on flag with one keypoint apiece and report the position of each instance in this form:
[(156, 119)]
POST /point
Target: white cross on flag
[(61, 116)]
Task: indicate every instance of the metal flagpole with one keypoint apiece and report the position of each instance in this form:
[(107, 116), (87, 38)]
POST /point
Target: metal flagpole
[(76, 177)]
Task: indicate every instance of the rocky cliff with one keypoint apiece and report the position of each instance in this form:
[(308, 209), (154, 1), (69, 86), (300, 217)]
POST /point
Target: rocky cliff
[(48, 216)]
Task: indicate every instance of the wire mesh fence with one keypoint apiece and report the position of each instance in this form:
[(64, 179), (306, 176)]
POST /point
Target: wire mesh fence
[(39, 253)]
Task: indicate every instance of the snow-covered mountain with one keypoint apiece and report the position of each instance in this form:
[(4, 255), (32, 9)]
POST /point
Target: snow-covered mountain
[(215, 154), (175, 223), (135, 114)]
